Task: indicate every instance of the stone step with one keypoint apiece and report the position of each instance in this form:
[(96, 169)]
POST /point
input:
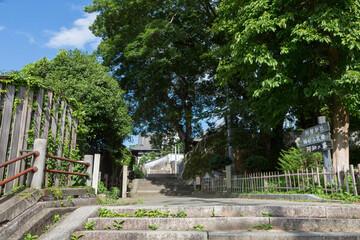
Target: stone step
[(13, 206), (164, 175), (141, 235), (254, 210), (232, 224), (11, 227), (37, 223), (199, 235)]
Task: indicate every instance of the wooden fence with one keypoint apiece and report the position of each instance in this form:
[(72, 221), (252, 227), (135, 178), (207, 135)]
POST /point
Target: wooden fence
[(301, 180), (28, 114)]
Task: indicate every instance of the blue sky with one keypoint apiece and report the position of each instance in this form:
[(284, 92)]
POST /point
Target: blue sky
[(31, 30)]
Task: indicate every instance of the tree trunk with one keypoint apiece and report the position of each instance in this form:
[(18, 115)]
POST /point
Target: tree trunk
[(340, 119)]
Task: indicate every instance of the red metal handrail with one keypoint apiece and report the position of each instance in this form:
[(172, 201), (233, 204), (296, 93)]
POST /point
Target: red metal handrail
[(65, 172), (35, 153), (68, 160), (32, 169)]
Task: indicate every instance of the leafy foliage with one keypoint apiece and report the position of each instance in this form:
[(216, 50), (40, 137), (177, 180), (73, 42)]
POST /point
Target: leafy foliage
[(81, 77), (293, 159), (159, 56)]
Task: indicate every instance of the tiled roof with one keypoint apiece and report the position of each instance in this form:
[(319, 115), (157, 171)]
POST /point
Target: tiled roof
[(143, 144)]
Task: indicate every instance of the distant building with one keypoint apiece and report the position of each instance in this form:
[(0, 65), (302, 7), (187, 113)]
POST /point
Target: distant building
[(143, 147)]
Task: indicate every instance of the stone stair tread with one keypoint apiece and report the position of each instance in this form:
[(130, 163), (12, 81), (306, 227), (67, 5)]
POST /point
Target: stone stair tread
[(11, 227), (141, 235), (211, 235)]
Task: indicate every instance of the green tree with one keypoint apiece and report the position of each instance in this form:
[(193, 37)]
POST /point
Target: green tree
[(158, 51), (80, 76), (286, 51)]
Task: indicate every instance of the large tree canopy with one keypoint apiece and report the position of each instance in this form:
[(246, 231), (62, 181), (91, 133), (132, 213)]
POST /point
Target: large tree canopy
[(157, 51), (288, 51), (80, 76)]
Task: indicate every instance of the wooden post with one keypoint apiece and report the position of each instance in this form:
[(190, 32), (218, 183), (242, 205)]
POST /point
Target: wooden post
[(318, 176), (325, 179), (96, 169)]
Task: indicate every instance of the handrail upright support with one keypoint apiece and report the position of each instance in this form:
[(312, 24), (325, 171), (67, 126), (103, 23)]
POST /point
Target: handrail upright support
[(39, 162)]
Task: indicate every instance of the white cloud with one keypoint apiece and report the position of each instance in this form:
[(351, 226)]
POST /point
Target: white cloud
[(77, 36), (1, 28), (27, 35)]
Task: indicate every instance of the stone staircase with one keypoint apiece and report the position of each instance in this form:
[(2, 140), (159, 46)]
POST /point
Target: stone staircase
[(33, 211), (247, 221), (161, 183)]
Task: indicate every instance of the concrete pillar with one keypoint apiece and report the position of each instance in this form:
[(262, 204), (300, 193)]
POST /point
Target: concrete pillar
[(124, 181), (38, 177), (95, 180), (89, 159), (228, 178)]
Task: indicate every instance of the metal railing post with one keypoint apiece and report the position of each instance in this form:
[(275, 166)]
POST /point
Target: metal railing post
[(37, 179)]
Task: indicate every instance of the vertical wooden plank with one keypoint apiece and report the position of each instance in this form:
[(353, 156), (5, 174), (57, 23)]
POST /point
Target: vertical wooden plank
[(28, 111), (16, 136), (346, 180), (6, 125), (318, 176), (279, 182), (59, 151), (298, 178), (303, 178), (293, 177), (290, 182), (286, 181), (313, 177), (47, 116), (67, 140), (38, 112), (307, 178), (339, 177), (325, 179)]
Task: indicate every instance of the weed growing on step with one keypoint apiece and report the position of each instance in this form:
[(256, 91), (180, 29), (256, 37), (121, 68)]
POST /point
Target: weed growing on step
[(139, 201), (141, 213), (264, 226), (212, 213), (46, 228), (56, 218), (249, 229), (28, 236), (107, 227), (118, 223), (295, 228), (75, 237), (198, 228), (153, 227), (265, 214), (89, 226), (355, 216)]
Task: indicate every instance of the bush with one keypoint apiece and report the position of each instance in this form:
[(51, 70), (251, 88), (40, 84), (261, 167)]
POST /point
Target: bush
[(293, 159), (219, 162)]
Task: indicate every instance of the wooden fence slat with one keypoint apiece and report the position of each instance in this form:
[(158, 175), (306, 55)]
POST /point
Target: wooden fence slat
[(38, 112), (318, 176), (353, 179), (298, 178), (346, 180), (290, 182), (19, 121), (325, 179), (28, 111), (339, 177), (6, 125), (47, 117)]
